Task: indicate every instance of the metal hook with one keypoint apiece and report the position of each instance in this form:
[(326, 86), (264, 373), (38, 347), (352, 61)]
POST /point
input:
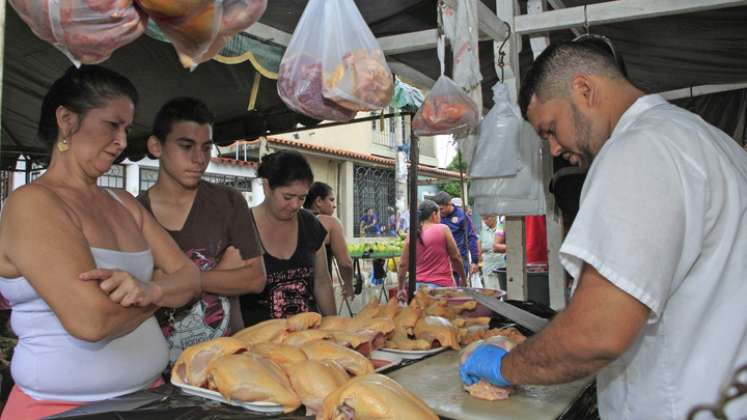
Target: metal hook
[(501, 54)]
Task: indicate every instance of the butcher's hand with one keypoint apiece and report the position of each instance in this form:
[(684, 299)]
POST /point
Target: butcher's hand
[(484, 363), (123, 288)]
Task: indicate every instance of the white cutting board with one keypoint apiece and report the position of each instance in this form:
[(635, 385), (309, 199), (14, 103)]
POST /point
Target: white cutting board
[(436, 381)]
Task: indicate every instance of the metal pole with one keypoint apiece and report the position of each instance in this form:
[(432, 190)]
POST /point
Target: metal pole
[(413, 189)]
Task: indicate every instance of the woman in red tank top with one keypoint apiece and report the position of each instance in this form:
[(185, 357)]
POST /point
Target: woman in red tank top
[(437, 255)]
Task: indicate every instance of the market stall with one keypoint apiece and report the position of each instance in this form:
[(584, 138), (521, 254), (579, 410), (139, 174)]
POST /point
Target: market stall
[(433, 378)]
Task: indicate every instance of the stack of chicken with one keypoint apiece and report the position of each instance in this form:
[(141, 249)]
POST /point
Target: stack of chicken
[(292, 362)]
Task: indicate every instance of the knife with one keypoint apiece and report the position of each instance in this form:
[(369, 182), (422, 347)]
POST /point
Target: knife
[(519, 316)]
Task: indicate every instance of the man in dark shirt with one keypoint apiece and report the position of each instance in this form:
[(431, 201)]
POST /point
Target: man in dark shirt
[(454, 217), (211, 223)]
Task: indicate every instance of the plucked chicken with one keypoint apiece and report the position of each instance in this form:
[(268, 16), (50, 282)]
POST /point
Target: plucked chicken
[(335, 323), (313, 380), (436, 329), (250, 377), (273, 330), (304, 321), (284, 355), (299, 338), (372, 397), (351, 360), (192, 365)]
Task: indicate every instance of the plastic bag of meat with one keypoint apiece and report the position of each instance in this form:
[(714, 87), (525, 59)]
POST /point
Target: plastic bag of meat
[(447, 110), (87, 31), (198, 29), (356, 75), (300, 73)]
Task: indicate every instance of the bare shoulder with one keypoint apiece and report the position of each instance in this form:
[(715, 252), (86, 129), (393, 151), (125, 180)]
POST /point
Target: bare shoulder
[(131, 204), (34, 201), (330, 222)]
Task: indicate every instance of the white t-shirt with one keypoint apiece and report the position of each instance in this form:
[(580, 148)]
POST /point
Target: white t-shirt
[(663, 217)]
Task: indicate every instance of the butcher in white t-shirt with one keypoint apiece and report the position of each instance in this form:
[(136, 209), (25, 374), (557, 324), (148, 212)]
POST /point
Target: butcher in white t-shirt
[(658, 250)]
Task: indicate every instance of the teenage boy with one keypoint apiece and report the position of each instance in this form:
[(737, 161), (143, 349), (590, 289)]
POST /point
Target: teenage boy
[(210, 222)]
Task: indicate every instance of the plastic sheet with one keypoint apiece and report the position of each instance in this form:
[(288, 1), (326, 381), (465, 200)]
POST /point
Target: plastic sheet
[(87, 32), (497, 152)]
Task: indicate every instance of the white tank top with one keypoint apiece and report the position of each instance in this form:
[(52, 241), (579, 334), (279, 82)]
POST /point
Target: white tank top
[(50, 364)]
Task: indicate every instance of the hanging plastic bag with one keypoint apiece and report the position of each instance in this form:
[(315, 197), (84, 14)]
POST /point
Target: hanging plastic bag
[(300, 74), (199, 29), (356, 75), (87, 32), (190, 25), (519, 195), (475, 281), (447, 108), (497, 153)]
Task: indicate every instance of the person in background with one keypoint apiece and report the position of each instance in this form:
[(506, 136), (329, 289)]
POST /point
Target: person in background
[(403, 225), (391, 225), (656, 250), (466, 239), (437, 255), (369, 223), (292, 237), (493, 247), (321, 201), (77, 261), (210, 222)]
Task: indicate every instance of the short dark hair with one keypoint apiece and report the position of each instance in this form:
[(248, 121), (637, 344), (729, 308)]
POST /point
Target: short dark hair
[(180, 109), (81, 90), (441, 198), (317, 190), (550, 75), (285, 167)]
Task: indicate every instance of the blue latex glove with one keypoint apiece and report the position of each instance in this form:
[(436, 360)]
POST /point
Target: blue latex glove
[(484, 363)]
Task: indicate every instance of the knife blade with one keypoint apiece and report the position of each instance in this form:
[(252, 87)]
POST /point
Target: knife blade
[(519, 316)]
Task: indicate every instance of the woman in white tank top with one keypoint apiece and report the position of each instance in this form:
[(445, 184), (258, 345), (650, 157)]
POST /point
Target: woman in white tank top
[(76, 261)]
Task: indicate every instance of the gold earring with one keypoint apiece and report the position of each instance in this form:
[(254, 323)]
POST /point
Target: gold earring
[(62, 145)]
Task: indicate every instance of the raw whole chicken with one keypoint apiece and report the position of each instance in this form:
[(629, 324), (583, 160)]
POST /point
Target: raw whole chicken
[(87, 31), (284, 355), (191, 366), (391, 309), (299, 338), (304, 321), (371, 310), (335, 323), (408, 317), (372, 397), (400, 340), (434, 328), (272, 330), (355, 341), (351, 360), (251, 378), (313, 380)]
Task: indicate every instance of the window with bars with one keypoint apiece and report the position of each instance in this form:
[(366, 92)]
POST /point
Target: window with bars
[(385, 130), (116, 177), (149, 176), (374, 188)]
